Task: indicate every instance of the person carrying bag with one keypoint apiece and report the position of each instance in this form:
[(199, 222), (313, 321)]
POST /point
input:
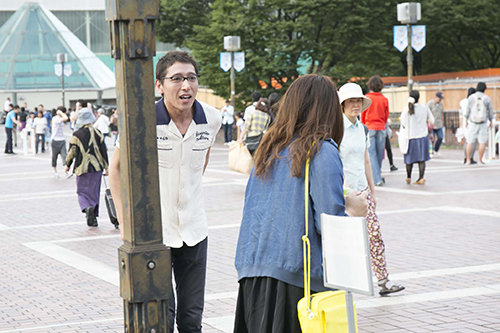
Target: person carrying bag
[(256, 126), (323, 312)]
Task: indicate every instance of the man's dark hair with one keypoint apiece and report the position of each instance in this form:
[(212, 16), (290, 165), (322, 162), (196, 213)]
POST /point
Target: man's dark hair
[(470, 91), (16, 107), (40, 105), (256, 96), (62, 108), (82, 102), (481, 86), (171, 58), (375, 84)]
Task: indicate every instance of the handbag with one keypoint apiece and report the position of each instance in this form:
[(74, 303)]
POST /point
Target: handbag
[(253, 142), (110, 205), (323, 312), (240, 159), (404, 137)]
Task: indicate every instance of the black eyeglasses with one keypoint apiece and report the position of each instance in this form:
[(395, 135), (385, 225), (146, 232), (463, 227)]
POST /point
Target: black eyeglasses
[(193, 78)]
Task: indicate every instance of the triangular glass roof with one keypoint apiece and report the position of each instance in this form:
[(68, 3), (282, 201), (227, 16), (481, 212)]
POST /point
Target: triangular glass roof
[(29, 43)]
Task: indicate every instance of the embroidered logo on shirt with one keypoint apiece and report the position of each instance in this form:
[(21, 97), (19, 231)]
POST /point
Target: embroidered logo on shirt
[(200, 136), (161, 138)]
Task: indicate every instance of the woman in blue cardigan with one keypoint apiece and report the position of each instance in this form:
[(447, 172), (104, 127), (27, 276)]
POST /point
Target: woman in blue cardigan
[(269, 252)]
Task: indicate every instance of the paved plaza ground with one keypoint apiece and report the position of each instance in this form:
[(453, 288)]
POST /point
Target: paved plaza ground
[(442, 243)]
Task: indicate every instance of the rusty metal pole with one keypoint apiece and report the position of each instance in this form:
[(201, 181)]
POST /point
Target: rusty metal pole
[(144, 261)]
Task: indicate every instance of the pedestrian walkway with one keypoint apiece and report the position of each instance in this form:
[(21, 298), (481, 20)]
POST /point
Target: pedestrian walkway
[(58, 275)]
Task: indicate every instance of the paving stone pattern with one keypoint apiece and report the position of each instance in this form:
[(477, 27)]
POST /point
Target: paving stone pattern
[(451, 222)]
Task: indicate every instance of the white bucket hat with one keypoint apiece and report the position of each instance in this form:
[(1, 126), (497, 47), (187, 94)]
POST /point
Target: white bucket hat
[(85, 116), (353, 90)]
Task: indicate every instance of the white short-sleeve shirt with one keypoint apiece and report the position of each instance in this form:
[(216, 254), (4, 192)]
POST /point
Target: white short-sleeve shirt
[(352, 153), (181, 160)]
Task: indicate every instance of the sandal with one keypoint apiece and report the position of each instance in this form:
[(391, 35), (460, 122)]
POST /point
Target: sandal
[(388, 287), (421, 181), (408, 181)]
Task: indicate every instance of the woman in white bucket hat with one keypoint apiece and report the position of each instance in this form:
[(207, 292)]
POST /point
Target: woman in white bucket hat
[(358, 176)]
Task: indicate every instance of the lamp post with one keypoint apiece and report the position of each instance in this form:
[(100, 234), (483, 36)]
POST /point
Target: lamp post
[(232, 44), (62, 58), (144, 261), (409, 13)]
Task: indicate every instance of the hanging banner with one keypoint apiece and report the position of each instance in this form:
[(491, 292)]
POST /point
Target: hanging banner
[(400, 39), (225, 61), (418, 37), (239, 61), (67, 70), (58, 69)]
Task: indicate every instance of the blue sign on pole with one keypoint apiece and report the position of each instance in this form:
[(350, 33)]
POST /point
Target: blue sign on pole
[(225, 61), (400, 39), (418, 37)]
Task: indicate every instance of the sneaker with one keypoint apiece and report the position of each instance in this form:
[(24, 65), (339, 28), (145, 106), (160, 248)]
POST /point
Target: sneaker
[(56, 175), (393, 168), (472, 161), (388, 287), (379, 183)]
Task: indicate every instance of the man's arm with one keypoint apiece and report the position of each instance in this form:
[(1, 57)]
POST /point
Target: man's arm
[(116, 187), (13, 117), (206, 159)]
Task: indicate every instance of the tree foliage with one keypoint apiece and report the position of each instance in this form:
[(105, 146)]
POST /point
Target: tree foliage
[(340, 38)]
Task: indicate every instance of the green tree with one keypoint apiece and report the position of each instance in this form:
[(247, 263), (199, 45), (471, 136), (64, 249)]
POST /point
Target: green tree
[(461, 35)]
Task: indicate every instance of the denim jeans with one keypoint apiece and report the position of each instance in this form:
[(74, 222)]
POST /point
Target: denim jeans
[(228, 128), (439, 134), (376, 152)]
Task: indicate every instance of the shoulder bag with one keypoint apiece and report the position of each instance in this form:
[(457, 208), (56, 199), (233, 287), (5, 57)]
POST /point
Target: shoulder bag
[(323, 312)]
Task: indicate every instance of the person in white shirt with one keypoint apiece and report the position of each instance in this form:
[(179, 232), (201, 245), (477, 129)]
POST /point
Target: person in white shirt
[(414, 119), (240, 123), (6, 105), (58, 141), (251, 108), (40, 125), (358, 176), (227, 113), (185, 131), (462, 131), (102, 123)]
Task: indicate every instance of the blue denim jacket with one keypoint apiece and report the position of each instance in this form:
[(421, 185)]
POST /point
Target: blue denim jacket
[(270, 240)]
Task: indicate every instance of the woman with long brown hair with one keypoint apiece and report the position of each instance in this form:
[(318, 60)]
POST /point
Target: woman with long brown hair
[(269, 253)]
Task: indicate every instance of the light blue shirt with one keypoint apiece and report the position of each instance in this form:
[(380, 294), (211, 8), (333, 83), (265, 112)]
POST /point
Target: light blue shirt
[(352, 153), (8, 120)]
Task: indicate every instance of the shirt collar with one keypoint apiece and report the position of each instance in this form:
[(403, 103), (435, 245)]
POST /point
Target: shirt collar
[(347, 122), (163, 118)]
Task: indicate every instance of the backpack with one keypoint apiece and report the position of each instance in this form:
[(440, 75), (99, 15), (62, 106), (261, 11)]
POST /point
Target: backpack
[(478, 110)]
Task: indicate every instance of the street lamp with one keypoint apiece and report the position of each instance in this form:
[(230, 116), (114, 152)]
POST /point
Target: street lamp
[(62, 58), (232, 44), (409, 13)]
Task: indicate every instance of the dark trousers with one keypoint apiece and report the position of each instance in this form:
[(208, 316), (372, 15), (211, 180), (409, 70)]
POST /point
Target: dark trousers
[(439, 134), (388, 149), (8, 144), (58, 148), (40, 138), (228, 129), (189, 265)]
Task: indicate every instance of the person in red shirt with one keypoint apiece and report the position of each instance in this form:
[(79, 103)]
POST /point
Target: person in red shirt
[(375, 118)]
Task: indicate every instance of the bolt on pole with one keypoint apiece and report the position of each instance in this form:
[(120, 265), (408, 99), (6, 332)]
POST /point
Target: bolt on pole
[(144, 261)]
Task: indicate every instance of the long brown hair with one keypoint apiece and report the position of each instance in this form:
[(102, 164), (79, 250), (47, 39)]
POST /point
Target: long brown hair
[(309, 113)]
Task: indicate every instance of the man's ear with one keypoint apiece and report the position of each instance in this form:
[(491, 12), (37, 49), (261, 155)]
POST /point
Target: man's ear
[(159, 86)]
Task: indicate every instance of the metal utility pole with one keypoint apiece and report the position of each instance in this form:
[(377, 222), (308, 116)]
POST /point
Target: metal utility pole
[(409, 13), (232, 44), (409, 60), (62, 58), (144, 261)]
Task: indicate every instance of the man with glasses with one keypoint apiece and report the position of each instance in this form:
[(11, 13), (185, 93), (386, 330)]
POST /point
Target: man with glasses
[(185, 131)]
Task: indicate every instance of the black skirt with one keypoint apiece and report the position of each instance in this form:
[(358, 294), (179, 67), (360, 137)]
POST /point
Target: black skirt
[(267, 305)]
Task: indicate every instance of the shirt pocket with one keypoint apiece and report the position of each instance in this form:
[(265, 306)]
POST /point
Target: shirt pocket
[(198, 154), (165, 155)]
